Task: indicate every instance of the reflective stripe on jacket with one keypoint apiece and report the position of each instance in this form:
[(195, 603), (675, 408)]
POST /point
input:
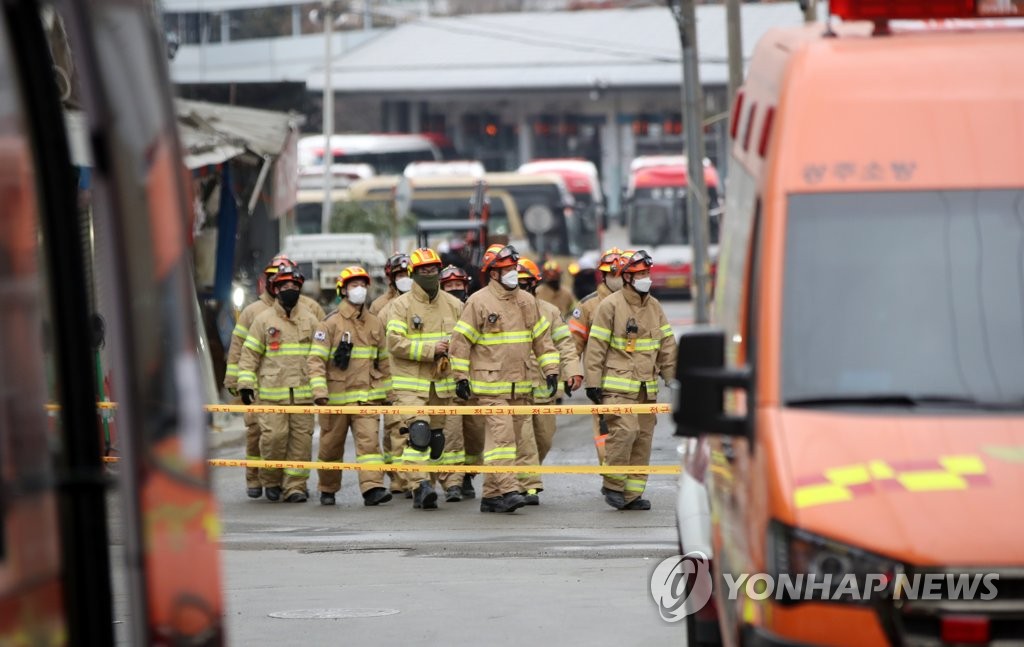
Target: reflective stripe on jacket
[(583, 315), (568, 359), (240, 332)]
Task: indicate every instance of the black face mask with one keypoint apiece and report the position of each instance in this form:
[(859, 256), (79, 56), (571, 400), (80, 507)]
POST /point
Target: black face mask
[(554, 285), (288, 298), (429, 283), (458, 294)]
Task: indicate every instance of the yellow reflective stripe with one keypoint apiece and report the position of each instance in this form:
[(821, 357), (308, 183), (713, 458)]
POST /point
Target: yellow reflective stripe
[(511, 337), (811, 495), (459, 364), (560, 332), (598, 332), (500, 454), (963, 464), (467, 331), (666, 330), (499, 388), (926, 481), (370, 459), (445, 387), (240, 331), (453, 458), (254, 344), (253, 458), (316, 350), (232, 370), (293, 471), (246, 376), (410, 455), (636, 485), (278, 392), (428, 336), (292, 352), (542, 325), (615, 477), (402, 383), (398, 327), (547, 359), (640, 344), (318, 381), (348, 397), (416, 351), (364, 352)]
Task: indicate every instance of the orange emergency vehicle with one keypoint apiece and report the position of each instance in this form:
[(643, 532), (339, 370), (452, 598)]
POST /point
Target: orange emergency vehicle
[(858, 404)]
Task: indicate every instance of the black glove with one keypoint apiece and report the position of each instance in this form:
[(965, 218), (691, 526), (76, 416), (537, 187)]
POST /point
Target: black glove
[(462, 391), (248, 396), (552, 385), (595, 393)]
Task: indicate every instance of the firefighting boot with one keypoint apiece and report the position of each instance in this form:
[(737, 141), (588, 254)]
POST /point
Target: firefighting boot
[(297, 497), (614, 498), (327, 498), (273, 493), (453, 494), (467, 487), (508, 502), (254, 492), (425, 497), (376, 496), (637, 504), (531, 497)]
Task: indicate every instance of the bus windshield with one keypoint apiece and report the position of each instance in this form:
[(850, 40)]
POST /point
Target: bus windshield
[(904, 296), (658, 217)]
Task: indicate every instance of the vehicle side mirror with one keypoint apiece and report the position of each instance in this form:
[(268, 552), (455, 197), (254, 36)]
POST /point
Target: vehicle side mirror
[(700, 385)]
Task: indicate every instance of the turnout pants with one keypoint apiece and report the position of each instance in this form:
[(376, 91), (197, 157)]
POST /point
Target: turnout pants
[(543, 432), (289, 437), (333, 431), (473, 436), (629, 443), (252, 448), (454, 451), (391, 426), (400, 448), (500, 444)]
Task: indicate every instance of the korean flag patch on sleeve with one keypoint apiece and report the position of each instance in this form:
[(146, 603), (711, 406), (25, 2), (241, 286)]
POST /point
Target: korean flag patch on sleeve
[(576, 313), (320, 336)]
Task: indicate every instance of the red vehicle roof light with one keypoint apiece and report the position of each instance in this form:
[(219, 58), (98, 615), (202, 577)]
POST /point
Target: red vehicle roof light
[(878, 10)]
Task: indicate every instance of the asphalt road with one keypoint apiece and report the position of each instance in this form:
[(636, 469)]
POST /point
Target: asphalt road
[(570, 571)]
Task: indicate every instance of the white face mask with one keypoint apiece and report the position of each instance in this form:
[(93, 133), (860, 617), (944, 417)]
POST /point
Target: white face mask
[(614, 283), (403, 283), (643, 286), (510, 279), (357, 295)]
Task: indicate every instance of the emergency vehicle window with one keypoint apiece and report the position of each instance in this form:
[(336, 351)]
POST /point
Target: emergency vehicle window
[(28, 377), (916, 295)]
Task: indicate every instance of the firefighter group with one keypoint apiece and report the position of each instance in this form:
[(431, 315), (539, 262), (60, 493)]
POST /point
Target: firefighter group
[(520, 339)]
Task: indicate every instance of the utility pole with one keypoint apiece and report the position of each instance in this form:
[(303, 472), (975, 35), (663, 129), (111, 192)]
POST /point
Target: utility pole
[(325, 216), (685, 14), (735, 39)]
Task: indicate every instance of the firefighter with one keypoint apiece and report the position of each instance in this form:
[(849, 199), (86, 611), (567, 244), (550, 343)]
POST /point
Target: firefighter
[(491, 358), (253, 488), (465, 429), (551, 290), (399, 282), (348, 364), (275, 352), (631, 345), (579, 328), (543, 427), (420, 325)]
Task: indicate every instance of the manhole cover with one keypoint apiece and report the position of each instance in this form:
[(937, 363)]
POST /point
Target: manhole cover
[(331, 614)]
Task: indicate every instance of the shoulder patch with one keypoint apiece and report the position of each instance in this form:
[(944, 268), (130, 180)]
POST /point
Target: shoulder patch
[(320, 335), (576, 313)]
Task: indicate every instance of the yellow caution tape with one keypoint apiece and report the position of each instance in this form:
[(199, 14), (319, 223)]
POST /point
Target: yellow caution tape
[(445, 469), (534, 410)]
